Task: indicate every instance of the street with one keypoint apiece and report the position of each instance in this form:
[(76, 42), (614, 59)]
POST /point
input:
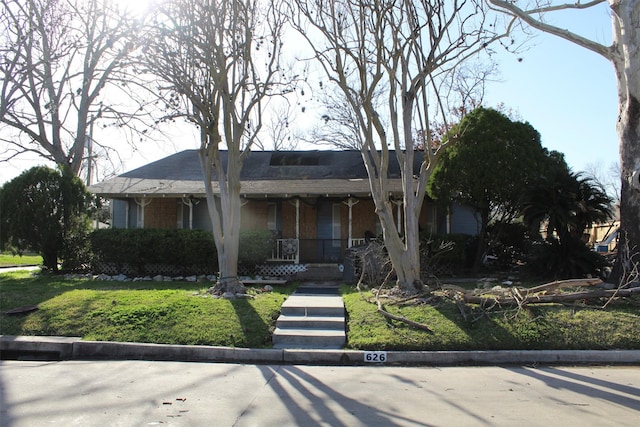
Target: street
[(143, 393)]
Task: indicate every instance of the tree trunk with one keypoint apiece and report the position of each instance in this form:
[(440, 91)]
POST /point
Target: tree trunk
[(629, 243), (404, 255), (50, 259), (626, 62), (224, 212)]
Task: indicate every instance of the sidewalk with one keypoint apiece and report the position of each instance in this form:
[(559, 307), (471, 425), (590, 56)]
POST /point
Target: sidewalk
[(20, 268)]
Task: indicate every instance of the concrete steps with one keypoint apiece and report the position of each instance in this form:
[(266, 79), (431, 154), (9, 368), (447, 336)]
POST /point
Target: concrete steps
[(311, 318), (320, 272)]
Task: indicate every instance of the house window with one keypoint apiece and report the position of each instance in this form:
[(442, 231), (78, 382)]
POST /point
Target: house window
[(272, 217), (335, 225)]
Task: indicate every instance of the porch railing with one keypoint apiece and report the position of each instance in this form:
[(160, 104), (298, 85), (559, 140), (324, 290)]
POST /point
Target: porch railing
[(286, 250), (312, 250)]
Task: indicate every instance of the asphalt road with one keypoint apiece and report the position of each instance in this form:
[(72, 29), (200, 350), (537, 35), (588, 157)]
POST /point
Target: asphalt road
[(143, 393)]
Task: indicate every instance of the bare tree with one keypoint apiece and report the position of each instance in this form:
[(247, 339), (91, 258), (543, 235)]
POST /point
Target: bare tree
[(56, 58), (608, 177), (388, 60), (625, 16), (280, 128), (218, 62)]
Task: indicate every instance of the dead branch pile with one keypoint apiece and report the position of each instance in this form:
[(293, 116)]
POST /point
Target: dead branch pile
[(563, 291)]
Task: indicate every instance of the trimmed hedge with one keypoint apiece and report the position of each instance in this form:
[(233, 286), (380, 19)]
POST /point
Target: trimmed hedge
[(188, 251), (256, 247), (146, 251)]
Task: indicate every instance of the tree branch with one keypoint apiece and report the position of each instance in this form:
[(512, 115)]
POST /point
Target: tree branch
[(526, 16)]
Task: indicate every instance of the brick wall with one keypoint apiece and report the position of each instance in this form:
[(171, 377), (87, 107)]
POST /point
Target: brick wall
[(161, 213)]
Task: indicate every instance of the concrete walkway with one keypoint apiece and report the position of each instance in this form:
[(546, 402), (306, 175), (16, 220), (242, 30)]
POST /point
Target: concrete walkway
[(20, 268)]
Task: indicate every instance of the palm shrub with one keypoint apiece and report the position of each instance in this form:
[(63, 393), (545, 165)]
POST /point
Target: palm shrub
[(560, 210)]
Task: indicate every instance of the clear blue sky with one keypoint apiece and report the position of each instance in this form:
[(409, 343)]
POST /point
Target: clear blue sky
[(566, 92)]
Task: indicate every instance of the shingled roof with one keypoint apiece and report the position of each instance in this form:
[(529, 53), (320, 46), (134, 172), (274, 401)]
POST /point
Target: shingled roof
[(264, 174)]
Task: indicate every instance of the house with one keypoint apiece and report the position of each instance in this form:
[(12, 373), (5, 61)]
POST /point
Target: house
[(317, 203)]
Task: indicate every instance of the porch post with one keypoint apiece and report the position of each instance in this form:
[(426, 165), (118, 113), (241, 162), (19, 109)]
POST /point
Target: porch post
[(190, 201), (351, 202), (142, 202), (298, 230), (126, 213)]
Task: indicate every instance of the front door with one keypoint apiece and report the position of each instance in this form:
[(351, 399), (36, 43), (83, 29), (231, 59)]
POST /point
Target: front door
[(329, 246)]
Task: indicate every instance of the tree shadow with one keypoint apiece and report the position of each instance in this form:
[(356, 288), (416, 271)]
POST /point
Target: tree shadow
[(560, 379), (295, 387), (256, 332)]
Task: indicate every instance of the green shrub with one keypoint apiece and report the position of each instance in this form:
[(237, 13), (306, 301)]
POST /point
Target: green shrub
[(569, 260), (46, 210), (256, 247), (509, 244), (186, 250), (444, 254)]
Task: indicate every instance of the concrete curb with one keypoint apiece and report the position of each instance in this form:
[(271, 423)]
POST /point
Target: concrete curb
[(71, 348)]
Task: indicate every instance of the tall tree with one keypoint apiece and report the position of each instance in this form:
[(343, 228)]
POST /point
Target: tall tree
[(217, 62), (388, 59), (625, 17), (493, 162), (57, 56)]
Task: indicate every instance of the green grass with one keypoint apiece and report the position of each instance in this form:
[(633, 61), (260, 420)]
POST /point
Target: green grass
[(551, 326), (179, 313), (157, 312), (10, 260)]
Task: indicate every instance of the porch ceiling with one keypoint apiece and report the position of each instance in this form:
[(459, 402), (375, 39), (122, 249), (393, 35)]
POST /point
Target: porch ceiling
[(135, 187)]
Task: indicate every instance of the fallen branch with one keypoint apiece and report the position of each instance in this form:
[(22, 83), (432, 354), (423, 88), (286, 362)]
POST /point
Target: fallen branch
[(556, 298), (388, 315), (402, 319), (558, 284)]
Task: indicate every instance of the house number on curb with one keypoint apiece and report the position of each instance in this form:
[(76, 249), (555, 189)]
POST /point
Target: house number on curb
[(375, 356)]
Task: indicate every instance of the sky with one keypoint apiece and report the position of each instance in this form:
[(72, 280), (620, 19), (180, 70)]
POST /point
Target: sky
[(564, 91)]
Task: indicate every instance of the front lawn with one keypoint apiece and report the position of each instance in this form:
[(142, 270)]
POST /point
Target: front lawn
[(181, 313), (549, 326), (153, 312), (10, 260)]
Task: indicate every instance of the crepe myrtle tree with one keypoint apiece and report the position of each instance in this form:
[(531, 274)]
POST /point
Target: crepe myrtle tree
[(387, 61), (622, 53), (216, 64), (58, 58)]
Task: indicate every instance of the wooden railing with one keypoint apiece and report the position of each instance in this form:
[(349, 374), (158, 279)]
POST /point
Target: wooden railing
[(288, 250)]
